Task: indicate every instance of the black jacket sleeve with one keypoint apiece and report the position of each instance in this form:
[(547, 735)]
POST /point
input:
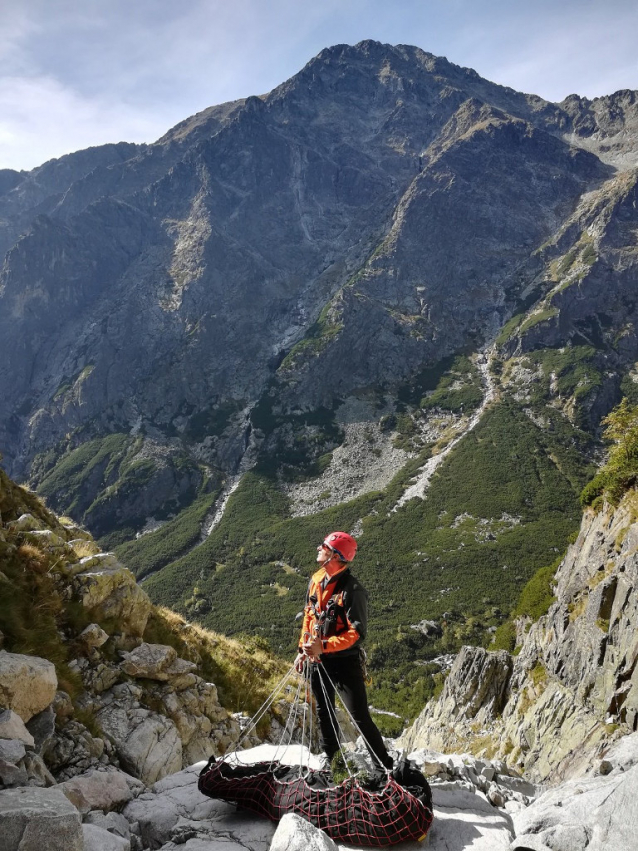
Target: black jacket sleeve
[(355, 602)]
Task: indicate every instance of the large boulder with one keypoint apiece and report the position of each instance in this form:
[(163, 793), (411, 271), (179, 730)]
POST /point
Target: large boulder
[(93, 636), (148, 744), (597, 813), (113, 822), (109, 592), (12, 772), (463, 819), (294, 833), (155, 662), (97, 790), (13, 727), (26, 523), (33, 819), (98, 839), (27, 683), (42, 728), (474, 694)]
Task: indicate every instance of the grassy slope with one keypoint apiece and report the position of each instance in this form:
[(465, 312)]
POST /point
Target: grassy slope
[(155, 550), (91, 480), (419, 562)]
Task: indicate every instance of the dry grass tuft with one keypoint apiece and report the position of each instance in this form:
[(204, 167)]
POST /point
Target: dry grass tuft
[(33, 558), (85, 548), (244, 670)]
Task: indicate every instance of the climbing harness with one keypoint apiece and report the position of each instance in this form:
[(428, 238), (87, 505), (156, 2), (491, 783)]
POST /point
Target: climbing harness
[(331, 619), (391, 807)]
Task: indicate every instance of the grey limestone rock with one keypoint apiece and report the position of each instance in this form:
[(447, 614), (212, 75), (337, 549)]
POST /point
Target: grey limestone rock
[(37, 772), (294, 833), (148, 745), (73, 750), (12, 770), (12, 750), (114, 822), (62, 706), (32, 819), (98, 839), (108, 590), (27, 683), (93, 635), (25, 523), (155, 662), (97, 790), (475, 691), (42, 728), (597, 813), (12, 727)]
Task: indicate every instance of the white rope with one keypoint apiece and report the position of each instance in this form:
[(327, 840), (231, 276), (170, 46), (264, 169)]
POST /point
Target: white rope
[(332, 715), (259, 714), (356, 726), (310, 708), (305, 719)]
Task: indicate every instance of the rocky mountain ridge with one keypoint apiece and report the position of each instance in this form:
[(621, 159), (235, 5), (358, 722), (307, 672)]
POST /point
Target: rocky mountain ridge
[(79, 665), (388, 196), (571, 688)]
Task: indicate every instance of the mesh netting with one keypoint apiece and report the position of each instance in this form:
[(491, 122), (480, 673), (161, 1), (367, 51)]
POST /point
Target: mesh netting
[(347, 812)]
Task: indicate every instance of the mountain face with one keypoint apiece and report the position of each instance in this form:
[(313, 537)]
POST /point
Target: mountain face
[(404, 197), (388, 296), (572, 688)]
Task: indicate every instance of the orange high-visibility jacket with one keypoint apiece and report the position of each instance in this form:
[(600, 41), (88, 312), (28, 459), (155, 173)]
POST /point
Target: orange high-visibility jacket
[(341, 618)]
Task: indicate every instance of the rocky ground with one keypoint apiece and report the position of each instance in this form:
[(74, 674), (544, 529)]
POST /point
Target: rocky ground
[(110, 811), (114, 766), (368, 459)]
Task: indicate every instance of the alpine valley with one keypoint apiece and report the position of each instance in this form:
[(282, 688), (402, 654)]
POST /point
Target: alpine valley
[(389, 297)]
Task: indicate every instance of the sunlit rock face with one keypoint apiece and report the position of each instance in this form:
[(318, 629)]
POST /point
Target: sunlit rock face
[(572, 688)]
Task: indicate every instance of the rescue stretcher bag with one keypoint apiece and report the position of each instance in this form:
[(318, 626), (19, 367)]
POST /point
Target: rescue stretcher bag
[(348, 812)]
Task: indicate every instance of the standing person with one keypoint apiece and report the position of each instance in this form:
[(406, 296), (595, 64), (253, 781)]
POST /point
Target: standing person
[(334, 625)]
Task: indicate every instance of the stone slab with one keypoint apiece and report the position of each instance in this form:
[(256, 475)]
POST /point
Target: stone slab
[(34, 819)]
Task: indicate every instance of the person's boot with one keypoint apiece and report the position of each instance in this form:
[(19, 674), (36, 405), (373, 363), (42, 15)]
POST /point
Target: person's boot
[(325, 764)]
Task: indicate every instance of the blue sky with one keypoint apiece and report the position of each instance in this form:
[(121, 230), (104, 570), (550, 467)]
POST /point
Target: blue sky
[(75, 73)]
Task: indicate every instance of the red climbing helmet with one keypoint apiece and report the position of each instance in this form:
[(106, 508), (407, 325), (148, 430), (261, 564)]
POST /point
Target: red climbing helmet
[(343, 544)]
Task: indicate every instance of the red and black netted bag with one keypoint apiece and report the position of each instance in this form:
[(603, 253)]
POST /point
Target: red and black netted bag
[(347, 812)]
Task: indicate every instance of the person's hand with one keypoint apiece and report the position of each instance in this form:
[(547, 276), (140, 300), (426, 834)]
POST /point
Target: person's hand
[(313, 648), (300, 662)]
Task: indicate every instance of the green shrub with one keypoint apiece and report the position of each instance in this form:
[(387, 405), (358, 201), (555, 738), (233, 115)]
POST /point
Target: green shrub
[(504, 637), (460, 389), (620, 472), (536, 597)]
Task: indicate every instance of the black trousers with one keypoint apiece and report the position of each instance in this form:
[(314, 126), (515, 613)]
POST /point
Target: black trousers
[(346, 675)]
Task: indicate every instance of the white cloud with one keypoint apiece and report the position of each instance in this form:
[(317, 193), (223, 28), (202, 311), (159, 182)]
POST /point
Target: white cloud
[(41, 117)]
